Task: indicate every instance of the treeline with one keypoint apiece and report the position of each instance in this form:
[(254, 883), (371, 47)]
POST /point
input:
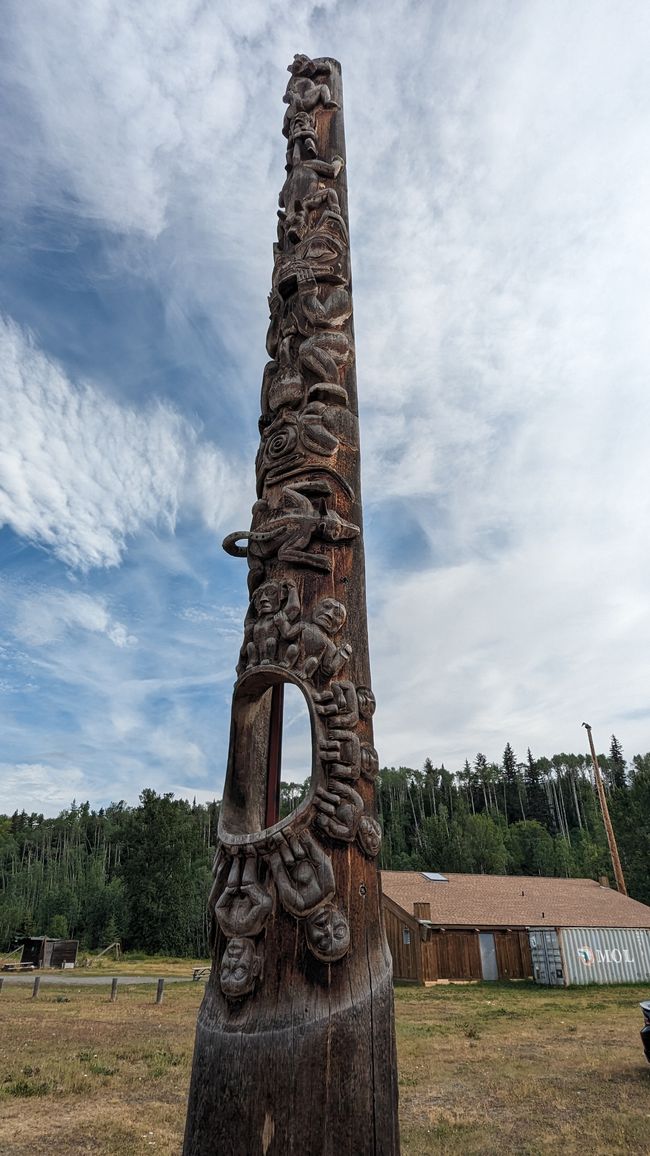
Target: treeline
[(536, 817), (141, 874)]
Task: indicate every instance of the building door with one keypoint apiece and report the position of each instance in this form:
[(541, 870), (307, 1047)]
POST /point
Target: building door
[(489, 967), (547, 958)]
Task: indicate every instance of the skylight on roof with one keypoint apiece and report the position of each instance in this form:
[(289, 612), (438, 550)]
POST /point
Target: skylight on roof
[(435, 877)]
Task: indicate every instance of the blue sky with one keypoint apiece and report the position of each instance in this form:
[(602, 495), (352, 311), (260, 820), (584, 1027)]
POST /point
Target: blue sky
[(499, 182)]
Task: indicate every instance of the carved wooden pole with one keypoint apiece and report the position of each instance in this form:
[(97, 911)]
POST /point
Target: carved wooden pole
[(295, 1050)]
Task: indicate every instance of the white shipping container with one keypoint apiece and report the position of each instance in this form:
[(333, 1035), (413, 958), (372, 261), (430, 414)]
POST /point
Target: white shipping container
[(605, 954)]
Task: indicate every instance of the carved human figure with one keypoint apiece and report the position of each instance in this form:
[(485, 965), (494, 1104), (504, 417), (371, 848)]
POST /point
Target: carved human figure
[(340, 809), (271, 620), (305, 334), (302, 871), (316, 651), (241, 965), (369, 836), (304, 191), (245, 904), (327, 933), (288, 532), (303, 94)]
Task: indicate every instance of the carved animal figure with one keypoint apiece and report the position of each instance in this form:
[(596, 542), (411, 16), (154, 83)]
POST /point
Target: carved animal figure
[(288, 533), (287, 441)]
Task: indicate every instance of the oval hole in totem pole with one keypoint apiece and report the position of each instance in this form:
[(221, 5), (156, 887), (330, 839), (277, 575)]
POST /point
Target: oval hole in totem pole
[(266, 701)]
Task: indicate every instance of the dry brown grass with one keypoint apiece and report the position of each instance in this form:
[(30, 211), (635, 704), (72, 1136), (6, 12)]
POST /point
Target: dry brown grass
[(483, 1069), (519, 1069), (165, 965)]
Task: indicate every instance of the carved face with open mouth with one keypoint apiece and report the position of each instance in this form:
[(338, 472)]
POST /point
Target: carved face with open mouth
[(329, 615)]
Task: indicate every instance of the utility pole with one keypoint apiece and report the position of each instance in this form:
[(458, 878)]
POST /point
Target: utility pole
[(609, 830), (295, 1047)]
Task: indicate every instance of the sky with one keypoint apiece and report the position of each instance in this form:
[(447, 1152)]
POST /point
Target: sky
[(499, 178)]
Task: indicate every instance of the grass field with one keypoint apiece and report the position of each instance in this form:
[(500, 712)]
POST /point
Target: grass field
[(483, 1069)]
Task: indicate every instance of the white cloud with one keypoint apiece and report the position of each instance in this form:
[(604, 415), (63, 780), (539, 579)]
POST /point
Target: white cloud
[(39, 787), (80, 473), (47, 616)]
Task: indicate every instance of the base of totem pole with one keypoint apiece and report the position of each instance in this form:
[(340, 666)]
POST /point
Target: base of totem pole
[(314, 1081)]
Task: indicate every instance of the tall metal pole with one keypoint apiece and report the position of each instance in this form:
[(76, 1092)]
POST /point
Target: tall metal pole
[(295, 1049), (609, 830)]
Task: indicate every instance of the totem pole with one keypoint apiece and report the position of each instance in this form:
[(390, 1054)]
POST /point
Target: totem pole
[(295, 1051)]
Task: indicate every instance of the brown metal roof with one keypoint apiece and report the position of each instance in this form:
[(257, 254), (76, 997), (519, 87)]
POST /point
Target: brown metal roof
[(514, 901)]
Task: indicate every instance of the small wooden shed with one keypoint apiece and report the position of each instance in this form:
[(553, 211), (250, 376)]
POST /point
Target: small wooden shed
[(42, 951)]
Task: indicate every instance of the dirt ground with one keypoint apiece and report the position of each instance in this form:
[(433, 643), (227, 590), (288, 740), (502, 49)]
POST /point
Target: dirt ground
[(483, 1069)]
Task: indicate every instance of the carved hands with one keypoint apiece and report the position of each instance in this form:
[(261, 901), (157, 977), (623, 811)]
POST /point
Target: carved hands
[(301, 870), (340, 810)]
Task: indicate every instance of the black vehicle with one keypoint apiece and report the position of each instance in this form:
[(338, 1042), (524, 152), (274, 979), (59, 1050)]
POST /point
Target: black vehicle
[(645, 1030)]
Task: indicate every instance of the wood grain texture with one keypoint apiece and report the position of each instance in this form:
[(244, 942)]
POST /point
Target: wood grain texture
[(295, 1049)]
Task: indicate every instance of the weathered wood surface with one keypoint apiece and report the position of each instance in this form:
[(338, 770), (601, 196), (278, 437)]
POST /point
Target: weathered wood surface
[(295, 1050)]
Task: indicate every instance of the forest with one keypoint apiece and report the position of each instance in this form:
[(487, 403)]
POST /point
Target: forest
[(141, 874)]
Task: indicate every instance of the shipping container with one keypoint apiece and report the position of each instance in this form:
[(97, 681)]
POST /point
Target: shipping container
[(605, 954), (590, 955), (546, 956)]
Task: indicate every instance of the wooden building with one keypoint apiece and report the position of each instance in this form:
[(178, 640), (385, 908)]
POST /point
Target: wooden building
[(473, 927), (43, 951)]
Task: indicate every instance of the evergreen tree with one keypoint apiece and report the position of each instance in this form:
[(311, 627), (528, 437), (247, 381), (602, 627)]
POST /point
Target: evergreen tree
[(617, 766)]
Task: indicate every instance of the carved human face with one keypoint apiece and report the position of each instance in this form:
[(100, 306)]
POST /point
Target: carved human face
[(367, 701), (267, 599), (240, 966), (369, 836), (329, 615), (369, 761), (328, 933)]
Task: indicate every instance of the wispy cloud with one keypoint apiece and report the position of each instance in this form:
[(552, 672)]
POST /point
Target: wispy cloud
[(80, 473)]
